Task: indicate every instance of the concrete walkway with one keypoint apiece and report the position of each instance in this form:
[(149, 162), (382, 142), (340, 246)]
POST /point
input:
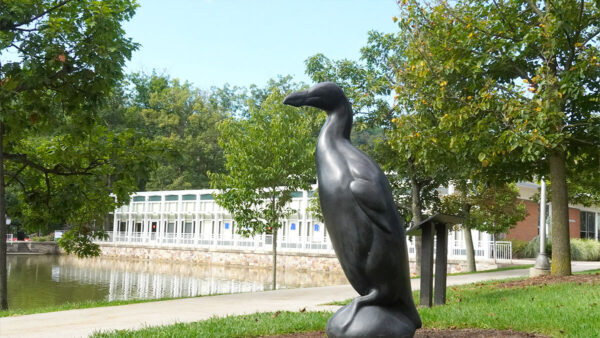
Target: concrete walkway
[(81, 323)]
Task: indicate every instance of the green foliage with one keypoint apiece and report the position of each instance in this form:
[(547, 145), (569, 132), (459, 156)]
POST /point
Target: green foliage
[(268, 156), (493, 209), (581, 249), (517, 248), (46, 238), (585, 249), (69, 180), (60, 63), (369, 84), (513, 89), (182, 121), (59, 59), (79, 241), (530, 249), (314, 205)]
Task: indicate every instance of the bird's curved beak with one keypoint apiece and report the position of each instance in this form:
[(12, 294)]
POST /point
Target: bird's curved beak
[(297, 99)]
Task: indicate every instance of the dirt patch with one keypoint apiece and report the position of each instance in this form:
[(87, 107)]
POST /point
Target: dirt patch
[(435, 333), (546, 280)]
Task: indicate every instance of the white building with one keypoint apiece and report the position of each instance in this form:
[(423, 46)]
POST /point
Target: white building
[(193, 218)]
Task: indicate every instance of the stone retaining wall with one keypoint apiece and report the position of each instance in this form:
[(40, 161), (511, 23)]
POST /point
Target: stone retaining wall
[(313, 262), (40, 248), (247, 258)]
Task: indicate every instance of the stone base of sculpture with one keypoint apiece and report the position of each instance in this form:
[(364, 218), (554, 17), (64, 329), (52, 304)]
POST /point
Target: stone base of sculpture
[(369, 321)]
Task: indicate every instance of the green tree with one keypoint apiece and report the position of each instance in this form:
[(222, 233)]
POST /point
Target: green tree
[(369, 85), (59, 60), (515, 83), (268, 156), (183, 121), (493, 209)]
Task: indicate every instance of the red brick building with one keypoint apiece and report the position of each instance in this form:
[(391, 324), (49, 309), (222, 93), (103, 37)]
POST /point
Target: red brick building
[(583, 221)]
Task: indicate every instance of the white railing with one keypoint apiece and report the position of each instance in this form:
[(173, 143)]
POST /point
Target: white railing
[(260, 242), (498, 250), (9, 238), (501, 250)]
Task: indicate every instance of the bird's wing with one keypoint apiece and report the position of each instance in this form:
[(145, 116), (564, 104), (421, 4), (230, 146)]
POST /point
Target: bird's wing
[(370, 198)]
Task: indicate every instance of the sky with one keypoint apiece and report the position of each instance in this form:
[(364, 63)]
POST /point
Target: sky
[(242, 42)]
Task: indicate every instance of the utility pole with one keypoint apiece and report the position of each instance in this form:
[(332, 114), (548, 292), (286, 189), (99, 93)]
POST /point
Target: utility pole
[(542, 264)]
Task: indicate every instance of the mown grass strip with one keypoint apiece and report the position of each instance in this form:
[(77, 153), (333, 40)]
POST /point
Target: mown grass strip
[(254, 325), (74, 306), (559, 310)]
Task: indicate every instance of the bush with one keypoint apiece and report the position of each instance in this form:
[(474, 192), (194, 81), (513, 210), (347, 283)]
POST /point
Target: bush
[(581, 249), (531, 249), (517, 248), (46, 238), (585, 250)]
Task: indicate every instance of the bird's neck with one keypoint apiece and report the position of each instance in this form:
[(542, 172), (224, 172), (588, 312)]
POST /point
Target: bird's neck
[(339, 123)]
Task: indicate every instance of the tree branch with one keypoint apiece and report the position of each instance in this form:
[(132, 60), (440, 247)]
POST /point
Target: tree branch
[(476, 27), (59, 169), (14, 176), (535, 9), (35, 17)]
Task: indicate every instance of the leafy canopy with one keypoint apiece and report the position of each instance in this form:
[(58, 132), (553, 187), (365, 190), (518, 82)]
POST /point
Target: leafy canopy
[(268, 156)]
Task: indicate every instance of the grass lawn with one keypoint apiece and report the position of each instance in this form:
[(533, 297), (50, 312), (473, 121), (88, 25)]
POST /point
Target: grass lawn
[(564, 309), (72, 306), (254, 325)]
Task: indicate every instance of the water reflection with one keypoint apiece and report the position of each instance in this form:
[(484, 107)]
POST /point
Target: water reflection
[(51, 280)]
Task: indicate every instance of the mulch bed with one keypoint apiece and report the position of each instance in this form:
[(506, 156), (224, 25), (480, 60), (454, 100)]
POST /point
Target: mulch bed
[(548, 279), (435, 333)]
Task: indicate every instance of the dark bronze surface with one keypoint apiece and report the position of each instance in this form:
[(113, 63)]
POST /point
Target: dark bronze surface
[(440, 223), (364, 226)]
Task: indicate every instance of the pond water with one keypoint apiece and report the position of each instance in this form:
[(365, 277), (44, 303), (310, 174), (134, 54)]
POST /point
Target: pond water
[(40, 280)]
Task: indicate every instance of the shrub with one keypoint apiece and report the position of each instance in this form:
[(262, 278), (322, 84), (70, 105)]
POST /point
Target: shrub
[(46, 238), (581, 249), (585, 250), (531, 249), (517, 248)]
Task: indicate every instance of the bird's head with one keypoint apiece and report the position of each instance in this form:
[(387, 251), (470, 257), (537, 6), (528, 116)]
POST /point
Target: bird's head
[(325, 95)]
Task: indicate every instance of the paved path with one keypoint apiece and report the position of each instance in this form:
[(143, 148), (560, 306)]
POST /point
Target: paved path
[(81, 323)]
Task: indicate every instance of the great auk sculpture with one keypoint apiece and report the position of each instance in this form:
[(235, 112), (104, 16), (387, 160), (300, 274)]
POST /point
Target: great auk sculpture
[(363, 223)]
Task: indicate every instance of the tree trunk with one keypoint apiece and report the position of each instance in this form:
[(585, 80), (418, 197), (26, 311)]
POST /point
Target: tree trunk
[(470, 249), (417, 217), (3, 272), (471, 267), (561, 247), (274, 258)]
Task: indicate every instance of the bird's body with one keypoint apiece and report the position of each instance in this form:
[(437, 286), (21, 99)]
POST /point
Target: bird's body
[(359, 212)]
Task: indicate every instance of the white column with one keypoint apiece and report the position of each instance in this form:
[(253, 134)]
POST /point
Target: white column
[(597, 223), (543, 216), (303, 236), (197, 225), (116, 226), (178, 227), (129, 227), (486, 248)]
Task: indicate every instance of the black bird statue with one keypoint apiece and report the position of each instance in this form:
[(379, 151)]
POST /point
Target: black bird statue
[(364, 226)]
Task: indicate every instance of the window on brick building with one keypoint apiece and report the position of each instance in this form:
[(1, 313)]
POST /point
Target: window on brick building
[(588, 225)]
